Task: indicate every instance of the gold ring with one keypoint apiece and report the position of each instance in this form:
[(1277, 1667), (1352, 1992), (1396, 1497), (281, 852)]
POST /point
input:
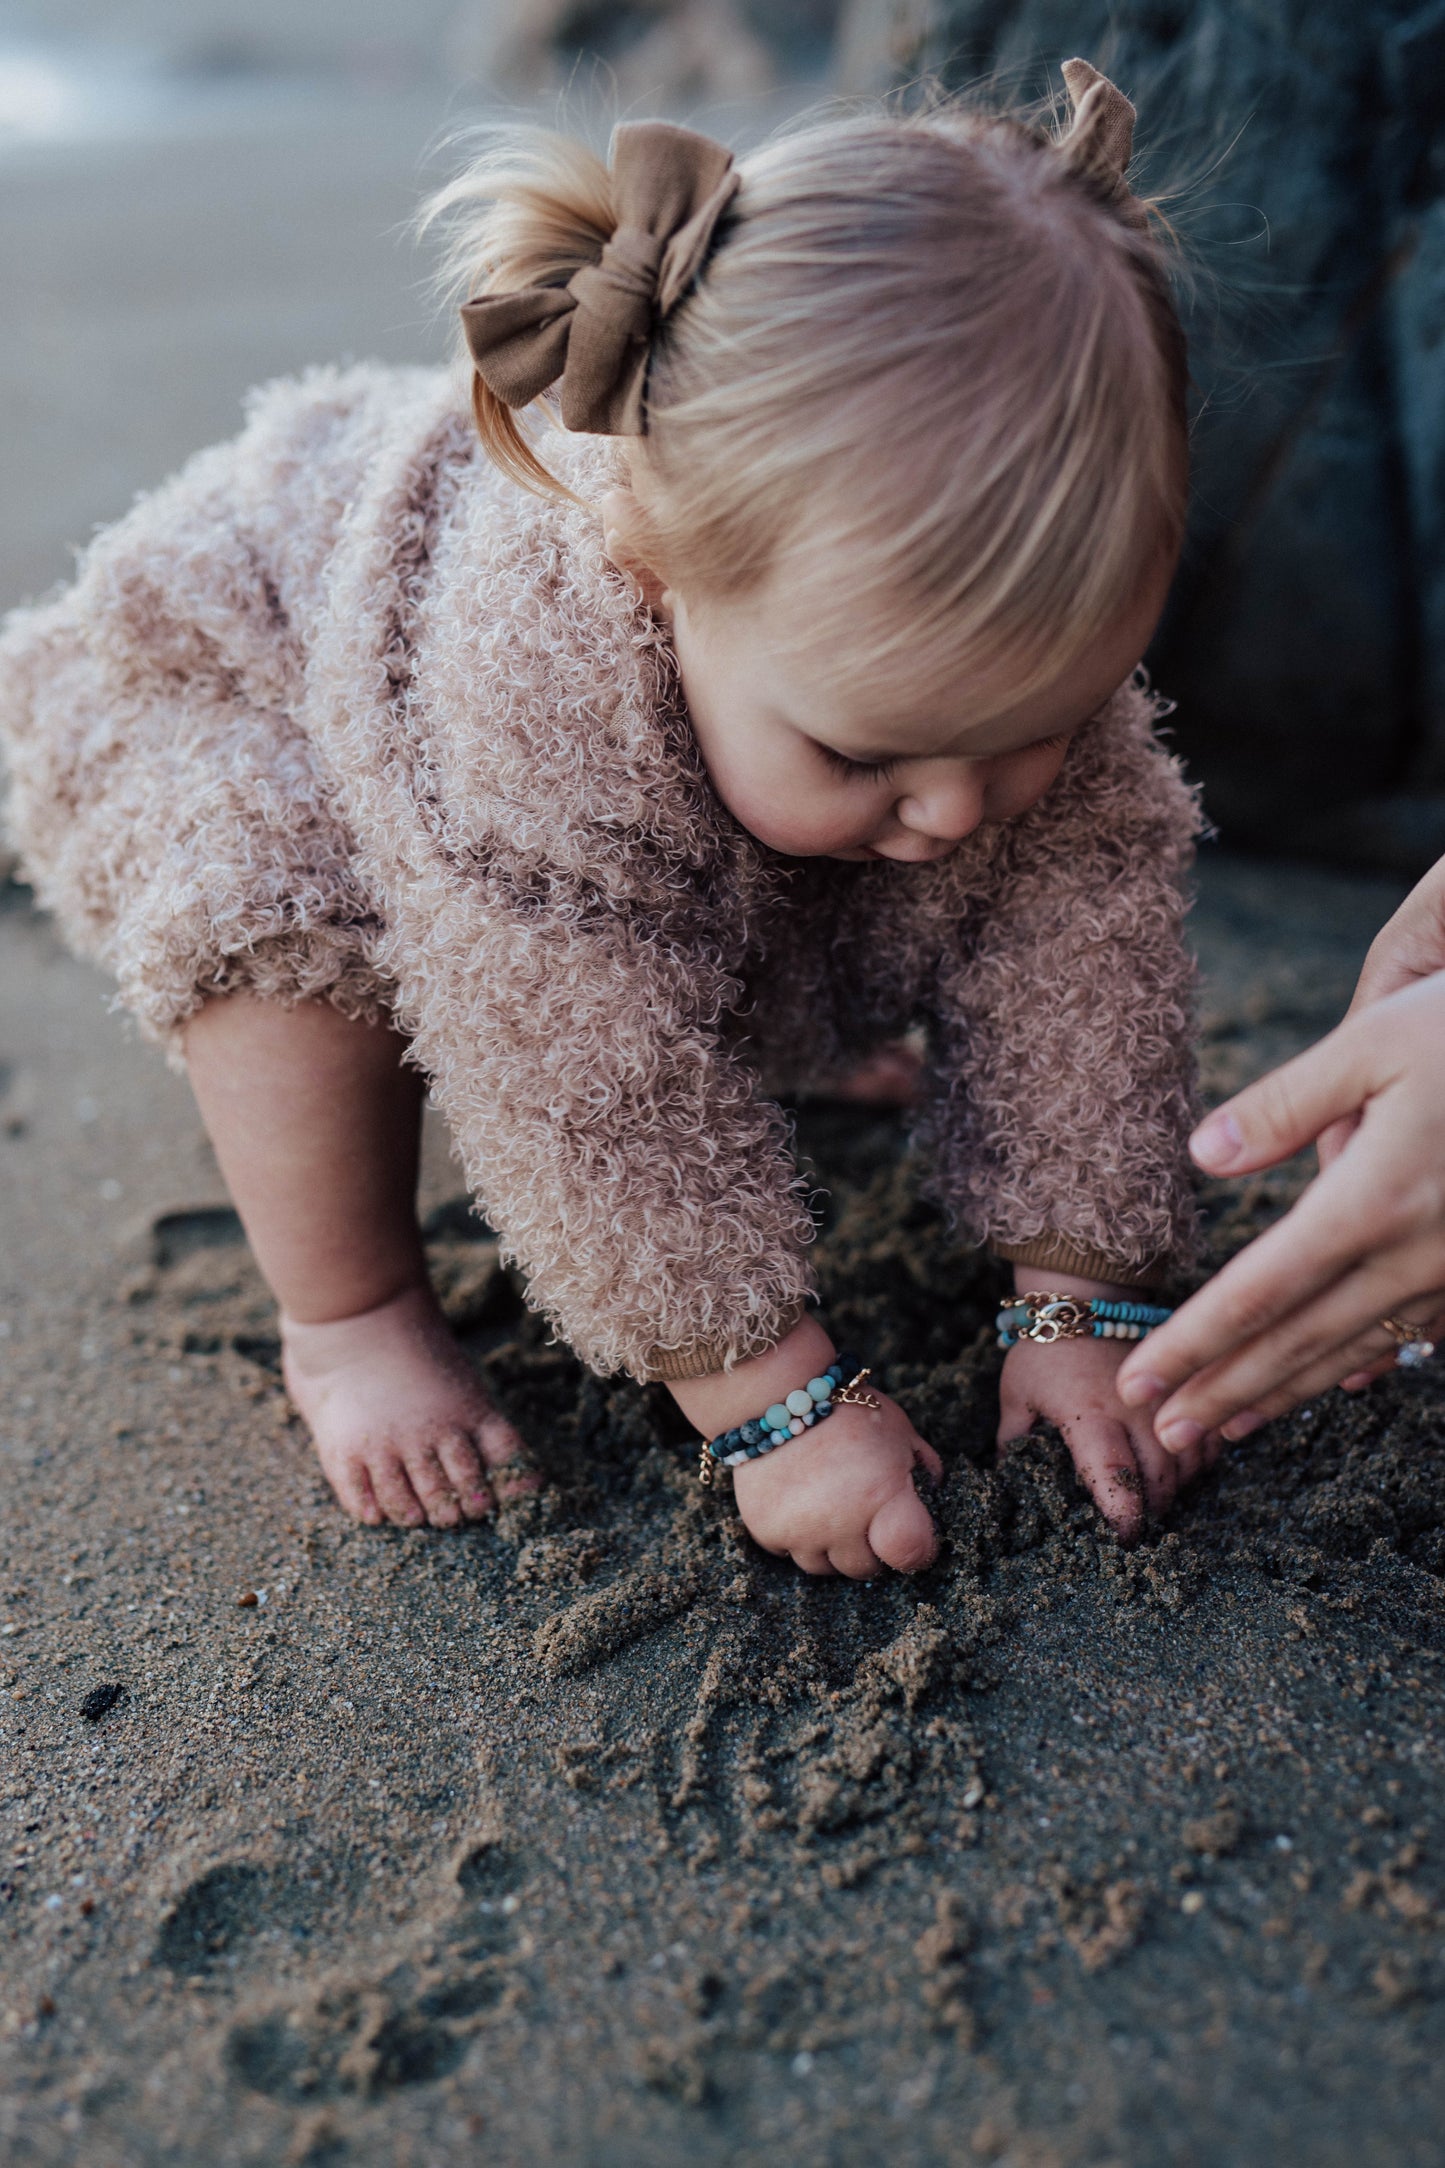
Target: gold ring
[(1412, 1345)]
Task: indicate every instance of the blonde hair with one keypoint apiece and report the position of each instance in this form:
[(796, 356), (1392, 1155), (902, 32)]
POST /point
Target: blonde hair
[(930, 338)]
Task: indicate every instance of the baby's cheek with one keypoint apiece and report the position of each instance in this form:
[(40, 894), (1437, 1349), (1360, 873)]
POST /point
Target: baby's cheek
[(1021, 784)]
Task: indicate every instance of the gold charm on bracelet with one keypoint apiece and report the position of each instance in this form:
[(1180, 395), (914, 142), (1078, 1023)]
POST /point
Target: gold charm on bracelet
[(852, 1394)]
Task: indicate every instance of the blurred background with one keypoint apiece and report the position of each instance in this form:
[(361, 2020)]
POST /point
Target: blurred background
[(196, 194)]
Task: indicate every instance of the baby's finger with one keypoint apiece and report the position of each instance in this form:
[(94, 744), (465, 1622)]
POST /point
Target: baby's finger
[(925, 1457), (1105, 1464), (855, 1559), (1015, 1417), (1359, 1379), (1187, 1465), (1161, 1475), (902, 1533), (462, 1465), (394, 1494)]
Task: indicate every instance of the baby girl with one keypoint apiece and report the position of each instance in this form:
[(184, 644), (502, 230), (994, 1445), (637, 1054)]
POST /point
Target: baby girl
[(608, 778)]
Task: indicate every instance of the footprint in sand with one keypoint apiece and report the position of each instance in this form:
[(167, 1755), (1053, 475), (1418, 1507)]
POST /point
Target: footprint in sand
[(409, 2027), (233, 1913)]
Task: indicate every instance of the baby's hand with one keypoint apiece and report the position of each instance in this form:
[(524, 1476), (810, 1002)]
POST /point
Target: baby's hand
[(1071, 1383), (841, 1498)]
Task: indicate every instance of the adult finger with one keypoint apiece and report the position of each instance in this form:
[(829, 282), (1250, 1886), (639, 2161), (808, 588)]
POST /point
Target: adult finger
[(902, 1533), (1279, 1274), (1306, 1384), (1286, 1110), (1328, 1334)]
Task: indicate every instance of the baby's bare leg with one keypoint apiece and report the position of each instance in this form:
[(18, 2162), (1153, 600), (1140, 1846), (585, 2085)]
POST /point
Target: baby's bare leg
[(316, 1125)]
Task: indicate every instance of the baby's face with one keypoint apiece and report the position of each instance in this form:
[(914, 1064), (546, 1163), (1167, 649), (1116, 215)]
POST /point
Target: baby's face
[(821, 755), (819, 762)]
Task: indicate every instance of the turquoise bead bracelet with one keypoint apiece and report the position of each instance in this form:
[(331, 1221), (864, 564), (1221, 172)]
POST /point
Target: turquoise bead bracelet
[(789, 1417), (1045, 1317)]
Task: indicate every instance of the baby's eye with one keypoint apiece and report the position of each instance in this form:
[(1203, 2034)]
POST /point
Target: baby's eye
[(872, 770)]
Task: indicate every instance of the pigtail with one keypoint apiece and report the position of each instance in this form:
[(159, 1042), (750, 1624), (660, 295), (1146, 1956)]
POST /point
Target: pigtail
[(531, 210)]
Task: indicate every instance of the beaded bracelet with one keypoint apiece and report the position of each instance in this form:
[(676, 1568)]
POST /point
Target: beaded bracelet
[(1045, 1317), (788, 1418)]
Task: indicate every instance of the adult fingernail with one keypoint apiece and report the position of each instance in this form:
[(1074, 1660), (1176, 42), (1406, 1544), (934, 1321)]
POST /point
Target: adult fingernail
[(1180, 1435), (1240, 1426), (1217, 1141), (1138, 1387)]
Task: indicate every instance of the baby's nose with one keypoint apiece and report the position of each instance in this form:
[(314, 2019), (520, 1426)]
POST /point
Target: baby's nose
[(945, 802)]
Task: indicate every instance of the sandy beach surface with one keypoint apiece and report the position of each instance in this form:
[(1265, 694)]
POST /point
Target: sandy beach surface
[(595, 1836)]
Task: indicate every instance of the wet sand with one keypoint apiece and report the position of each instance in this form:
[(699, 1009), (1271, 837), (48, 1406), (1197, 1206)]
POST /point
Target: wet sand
[(598, 1837)]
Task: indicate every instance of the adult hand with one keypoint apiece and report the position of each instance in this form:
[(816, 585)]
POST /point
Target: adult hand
[(1299, 1310)]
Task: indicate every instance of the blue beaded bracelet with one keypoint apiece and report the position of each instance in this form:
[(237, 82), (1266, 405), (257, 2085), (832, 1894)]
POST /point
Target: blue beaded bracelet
[(1046, 1317), (788, 1418)]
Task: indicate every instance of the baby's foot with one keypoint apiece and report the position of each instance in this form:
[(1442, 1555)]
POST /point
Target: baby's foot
[(403, 1428)]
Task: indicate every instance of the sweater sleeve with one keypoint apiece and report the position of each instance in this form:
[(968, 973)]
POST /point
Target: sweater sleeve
[(627, 1160), (1062, 1021)]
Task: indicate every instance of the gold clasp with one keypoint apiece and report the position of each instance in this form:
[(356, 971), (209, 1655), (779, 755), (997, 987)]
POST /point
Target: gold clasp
[(1061, 1317), (852, 1396), (704, 1473)]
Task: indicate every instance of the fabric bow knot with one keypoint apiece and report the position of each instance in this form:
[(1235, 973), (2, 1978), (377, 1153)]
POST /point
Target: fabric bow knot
[(1100, 136), (670, 186)]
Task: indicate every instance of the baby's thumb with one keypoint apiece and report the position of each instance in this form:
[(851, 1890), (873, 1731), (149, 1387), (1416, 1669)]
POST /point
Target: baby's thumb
[(902, 1533)]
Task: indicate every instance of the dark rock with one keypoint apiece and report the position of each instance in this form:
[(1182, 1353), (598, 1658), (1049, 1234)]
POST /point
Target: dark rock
[(101, 1700)]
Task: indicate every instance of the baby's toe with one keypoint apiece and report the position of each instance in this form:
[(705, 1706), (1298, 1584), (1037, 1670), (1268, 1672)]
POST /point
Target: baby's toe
[(504, 1453), (352, 1485), (394, 1493), (433, 1486), (466, 1477)]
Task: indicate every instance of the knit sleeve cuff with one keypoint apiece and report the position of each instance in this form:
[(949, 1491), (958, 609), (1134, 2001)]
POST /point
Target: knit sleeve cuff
[(1053, 1253), (662, 1365)]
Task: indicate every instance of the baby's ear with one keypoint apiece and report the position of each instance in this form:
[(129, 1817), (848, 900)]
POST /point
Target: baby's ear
[(624, 537)]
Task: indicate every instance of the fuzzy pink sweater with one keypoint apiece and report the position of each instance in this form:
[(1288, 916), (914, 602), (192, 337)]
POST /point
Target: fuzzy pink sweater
[(340, 712)]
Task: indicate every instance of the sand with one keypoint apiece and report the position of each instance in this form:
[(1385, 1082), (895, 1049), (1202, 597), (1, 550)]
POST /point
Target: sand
[(598, 1837)]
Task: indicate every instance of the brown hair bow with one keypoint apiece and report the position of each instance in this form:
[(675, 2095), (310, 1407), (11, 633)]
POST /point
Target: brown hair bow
[(670, 186), (1100, 137)]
